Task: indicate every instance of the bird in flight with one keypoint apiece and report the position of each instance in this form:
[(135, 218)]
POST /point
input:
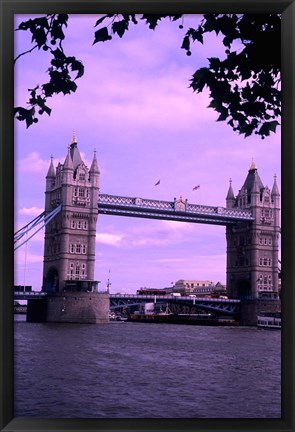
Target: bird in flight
[(196, 187), (158, 182)]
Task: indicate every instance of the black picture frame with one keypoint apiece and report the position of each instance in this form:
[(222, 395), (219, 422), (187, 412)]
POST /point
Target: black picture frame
[(7, 10)]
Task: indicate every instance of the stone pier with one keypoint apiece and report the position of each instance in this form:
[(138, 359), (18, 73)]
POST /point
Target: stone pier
[(70, 307)]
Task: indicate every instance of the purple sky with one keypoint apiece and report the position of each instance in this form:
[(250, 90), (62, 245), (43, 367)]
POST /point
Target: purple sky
[(133, 106)]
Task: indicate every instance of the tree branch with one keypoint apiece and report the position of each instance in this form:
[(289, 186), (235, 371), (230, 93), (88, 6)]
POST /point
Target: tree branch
[(25, 52)]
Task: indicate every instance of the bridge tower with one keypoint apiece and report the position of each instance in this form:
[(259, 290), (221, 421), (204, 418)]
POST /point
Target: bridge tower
[(69, 247), (252, 247)]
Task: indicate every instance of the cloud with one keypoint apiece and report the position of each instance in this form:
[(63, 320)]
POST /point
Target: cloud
[(175, 226), (109, 239), (86, 161), (149, 241), (171, 260), (32, 211), (33, 164), (192, 267), (134, 80), (158, 233)]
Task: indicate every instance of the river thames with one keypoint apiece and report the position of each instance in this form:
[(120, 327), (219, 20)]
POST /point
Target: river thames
[(137, 370)]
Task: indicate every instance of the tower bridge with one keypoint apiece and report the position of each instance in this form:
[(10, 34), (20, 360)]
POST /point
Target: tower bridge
[(73, 202)]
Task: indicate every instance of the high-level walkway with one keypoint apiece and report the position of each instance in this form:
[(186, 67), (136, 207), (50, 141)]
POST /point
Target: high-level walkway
[(177, 210)]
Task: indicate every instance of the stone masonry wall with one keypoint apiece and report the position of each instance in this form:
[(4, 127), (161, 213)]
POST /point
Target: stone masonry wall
[(71, 307)]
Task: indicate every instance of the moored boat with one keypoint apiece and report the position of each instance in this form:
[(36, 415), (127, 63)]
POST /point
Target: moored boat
[(269, 320), (192, 319)]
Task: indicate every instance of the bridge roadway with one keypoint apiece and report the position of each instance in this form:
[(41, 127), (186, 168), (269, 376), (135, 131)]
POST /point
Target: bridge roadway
[(224, 306), (21, 295), (177, 210)]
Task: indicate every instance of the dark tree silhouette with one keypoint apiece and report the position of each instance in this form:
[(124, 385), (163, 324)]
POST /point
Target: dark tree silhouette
[(244, 85)]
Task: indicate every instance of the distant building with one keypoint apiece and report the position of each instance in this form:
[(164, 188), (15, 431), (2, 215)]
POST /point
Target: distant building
[(187, 287)]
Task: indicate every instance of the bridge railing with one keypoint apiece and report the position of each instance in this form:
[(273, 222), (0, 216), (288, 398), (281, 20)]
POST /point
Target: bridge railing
[(30, 293), (167, 297)]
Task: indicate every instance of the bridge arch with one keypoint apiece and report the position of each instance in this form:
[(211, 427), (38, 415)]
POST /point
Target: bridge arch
[(51, 280), (243, 289)]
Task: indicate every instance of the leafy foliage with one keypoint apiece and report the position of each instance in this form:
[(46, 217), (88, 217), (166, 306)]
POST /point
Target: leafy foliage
[(48, 34), (120, 24), (244, 86)]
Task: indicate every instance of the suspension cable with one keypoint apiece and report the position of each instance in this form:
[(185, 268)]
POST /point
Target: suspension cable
[(41, 219)]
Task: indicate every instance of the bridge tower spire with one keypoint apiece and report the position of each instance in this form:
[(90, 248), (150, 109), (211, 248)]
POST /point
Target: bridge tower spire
[(230, 198), (252, 247)]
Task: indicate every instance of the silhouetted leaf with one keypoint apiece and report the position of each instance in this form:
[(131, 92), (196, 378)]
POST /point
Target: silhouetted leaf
[(223, 115), (78, 66), (120, 27), (101, 35), (152, 20), (25, 25), (185, 43), (273, 125), (56, 30), (100, 20), (39, 36), (214, 63)]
